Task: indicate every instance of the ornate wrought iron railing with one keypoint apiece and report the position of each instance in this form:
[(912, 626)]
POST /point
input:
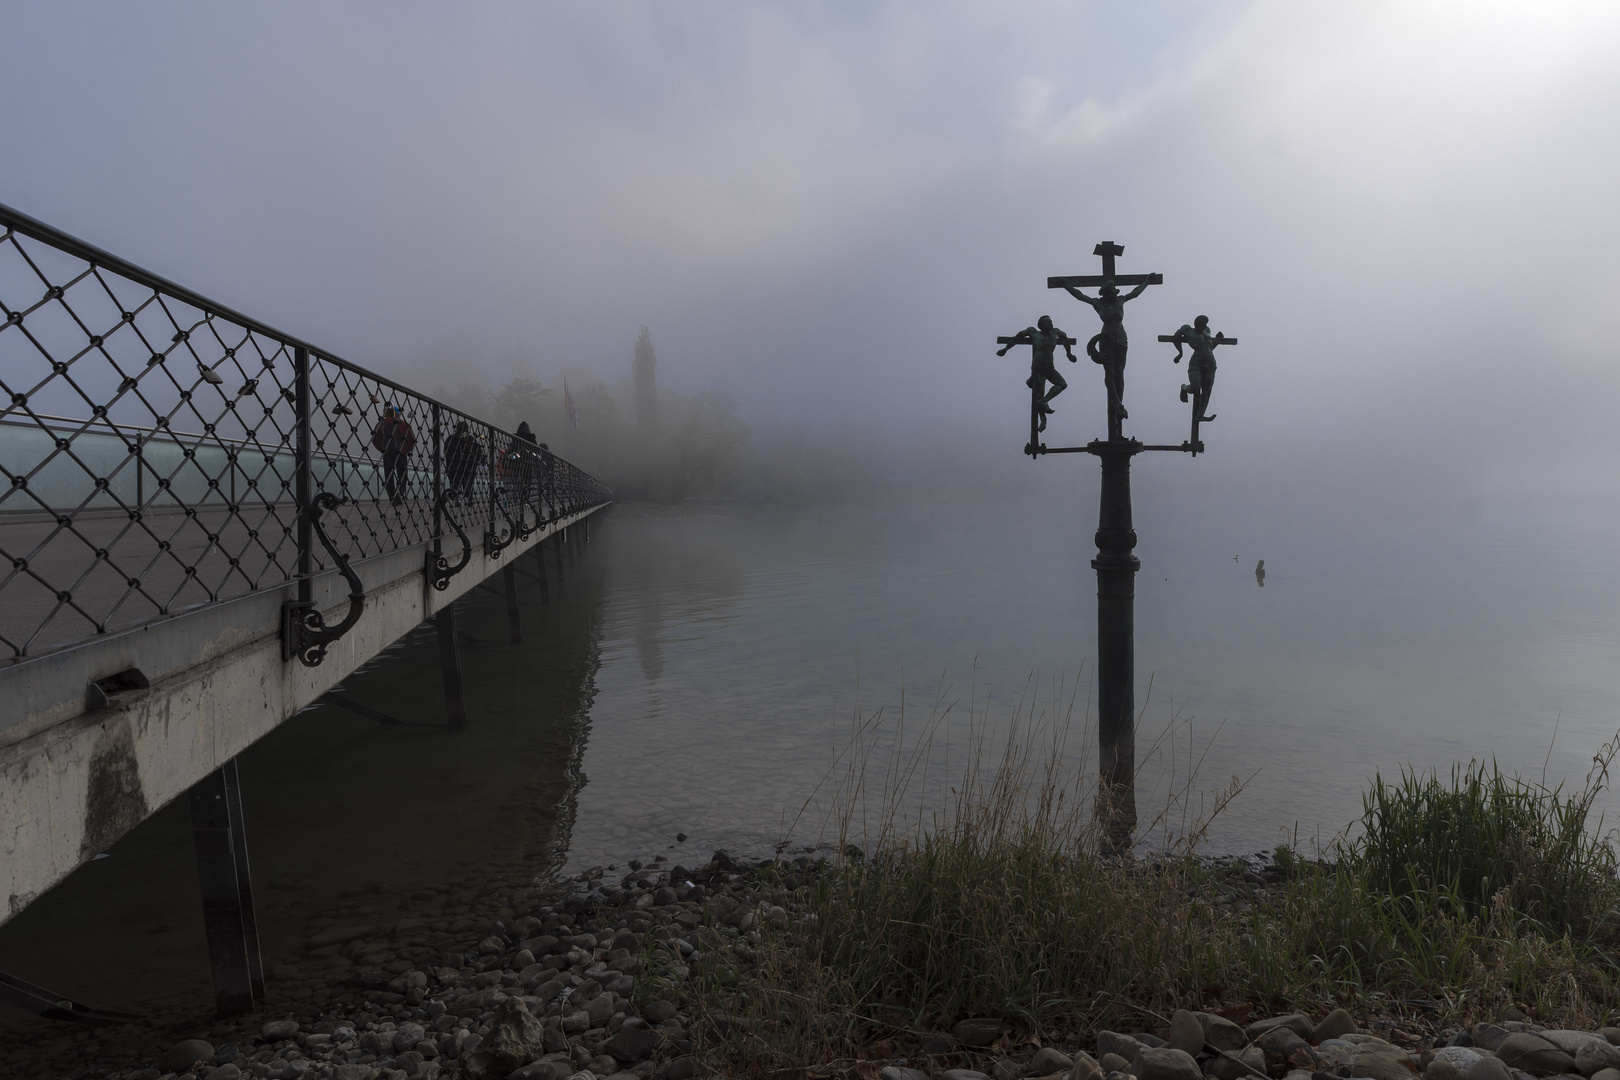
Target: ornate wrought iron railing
[(160, 452)]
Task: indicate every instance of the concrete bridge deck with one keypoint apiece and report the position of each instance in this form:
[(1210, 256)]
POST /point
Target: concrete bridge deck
[(205, 524)]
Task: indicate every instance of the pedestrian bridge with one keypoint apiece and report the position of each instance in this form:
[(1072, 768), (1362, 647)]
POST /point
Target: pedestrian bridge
[(205, 524)]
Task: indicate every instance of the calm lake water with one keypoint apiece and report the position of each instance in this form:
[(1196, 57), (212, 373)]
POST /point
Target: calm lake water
[(697, 671)]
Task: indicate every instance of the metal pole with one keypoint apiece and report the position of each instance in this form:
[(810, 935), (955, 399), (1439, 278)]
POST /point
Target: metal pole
[(303, 490), (492, 526), (509, 573), (233, 943), (450, 665), (561, 537), (244, 878), (540, 561), (1116, 570), (438, 486)]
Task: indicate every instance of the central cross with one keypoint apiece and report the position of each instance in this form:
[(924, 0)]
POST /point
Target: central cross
[(1108, 250), (1108, 347)]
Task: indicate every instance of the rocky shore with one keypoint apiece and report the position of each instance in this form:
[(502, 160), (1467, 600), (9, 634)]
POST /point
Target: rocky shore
[(625, 976)]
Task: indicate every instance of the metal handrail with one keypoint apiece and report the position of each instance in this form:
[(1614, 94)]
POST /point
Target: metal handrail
[(232, 508)]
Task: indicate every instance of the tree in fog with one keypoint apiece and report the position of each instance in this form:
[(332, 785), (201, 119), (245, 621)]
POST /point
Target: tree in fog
[(707, 448), (642, 371), (521, 399)]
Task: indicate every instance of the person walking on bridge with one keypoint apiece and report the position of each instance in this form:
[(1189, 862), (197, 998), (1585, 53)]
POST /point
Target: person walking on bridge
[(461, 459), (394, 437)]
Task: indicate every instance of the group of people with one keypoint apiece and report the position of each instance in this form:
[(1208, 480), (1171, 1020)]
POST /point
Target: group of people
[(519, 467)]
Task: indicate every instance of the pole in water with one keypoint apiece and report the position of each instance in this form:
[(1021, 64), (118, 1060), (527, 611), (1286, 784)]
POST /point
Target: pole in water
[(509, 573), (1116, 568), (450, 665), (558, 545), (227, 891)]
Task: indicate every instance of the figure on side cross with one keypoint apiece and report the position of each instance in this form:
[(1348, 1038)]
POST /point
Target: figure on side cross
[(1043, 339)]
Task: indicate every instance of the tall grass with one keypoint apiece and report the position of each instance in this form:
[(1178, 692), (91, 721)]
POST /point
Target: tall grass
[(1485, 834), (994, 896)]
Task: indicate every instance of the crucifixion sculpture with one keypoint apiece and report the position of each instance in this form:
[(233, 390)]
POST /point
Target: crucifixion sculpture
[(1116, 565), (1200, 369), (1043, 339)]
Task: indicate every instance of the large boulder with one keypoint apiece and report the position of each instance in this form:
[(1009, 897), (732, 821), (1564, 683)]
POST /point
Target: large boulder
[(1236, 1066), (632, 1044), (1568, 1040), (1112, 1042), (1085, 1067), (1528, 1052), (1165, 1063), (1461, 1058), (1381, 1064), (184, 1054), (977, 1031), (1488, 1067), (1220, 1032), (1297, 1023), (1595, 1056), (516, 1037), (1282, 1042), (1334, 1025), (1186, 1033), (1048, 1060)]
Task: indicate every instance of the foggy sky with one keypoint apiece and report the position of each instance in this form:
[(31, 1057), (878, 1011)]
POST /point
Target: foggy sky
[(1405, 211)]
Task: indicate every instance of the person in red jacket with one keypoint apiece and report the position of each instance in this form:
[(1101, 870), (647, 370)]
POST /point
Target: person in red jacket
[(394, 437)]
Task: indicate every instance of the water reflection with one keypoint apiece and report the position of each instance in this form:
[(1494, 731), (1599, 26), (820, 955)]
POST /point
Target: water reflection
[(414, 830)]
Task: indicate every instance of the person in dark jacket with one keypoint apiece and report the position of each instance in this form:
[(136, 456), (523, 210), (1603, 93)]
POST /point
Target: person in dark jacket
[(394, 437), (461, 459), (522, 463)]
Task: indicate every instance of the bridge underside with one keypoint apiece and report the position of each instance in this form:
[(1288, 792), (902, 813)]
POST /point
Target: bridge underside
[(80, 767)]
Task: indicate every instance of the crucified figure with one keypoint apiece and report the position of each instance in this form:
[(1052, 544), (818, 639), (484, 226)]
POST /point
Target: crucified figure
[(1043, 339), (1108, 346), (1201, 368)]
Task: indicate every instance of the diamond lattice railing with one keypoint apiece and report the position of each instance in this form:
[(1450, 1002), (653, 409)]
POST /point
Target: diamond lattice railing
[(150, 454)]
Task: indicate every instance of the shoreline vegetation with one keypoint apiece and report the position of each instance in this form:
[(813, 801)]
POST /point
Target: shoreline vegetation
[(1464, 929)]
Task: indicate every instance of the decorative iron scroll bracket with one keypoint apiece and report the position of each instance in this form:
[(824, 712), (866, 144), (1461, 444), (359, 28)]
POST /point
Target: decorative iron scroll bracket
[(304, 632), (438, 568), (493, 544)]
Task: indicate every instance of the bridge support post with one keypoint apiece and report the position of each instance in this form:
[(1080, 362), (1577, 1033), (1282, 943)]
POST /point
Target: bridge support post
[(450, 665), (509, 573), (559, 540), (227, 891), (540, 561)]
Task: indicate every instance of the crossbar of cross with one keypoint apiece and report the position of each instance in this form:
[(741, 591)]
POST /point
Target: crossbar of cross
[(1063, 340)]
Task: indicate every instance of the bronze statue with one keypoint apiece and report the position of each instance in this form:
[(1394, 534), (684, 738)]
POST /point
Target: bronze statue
[(1201, 368), (1108, 346), (1043, 339)]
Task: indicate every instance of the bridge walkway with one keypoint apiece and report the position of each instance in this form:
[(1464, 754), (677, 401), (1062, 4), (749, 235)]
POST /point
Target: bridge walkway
[(205, 524)]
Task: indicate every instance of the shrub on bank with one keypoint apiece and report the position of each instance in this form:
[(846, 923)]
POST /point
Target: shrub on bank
[(1454, 898)]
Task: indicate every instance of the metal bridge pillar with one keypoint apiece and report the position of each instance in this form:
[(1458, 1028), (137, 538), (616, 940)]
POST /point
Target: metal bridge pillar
[(450, 665), (509, 573), (540, 562), (560, 537), (227, 891)]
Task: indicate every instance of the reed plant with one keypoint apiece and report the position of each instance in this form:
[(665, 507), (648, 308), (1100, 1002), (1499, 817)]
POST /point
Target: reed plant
[(991, 893)]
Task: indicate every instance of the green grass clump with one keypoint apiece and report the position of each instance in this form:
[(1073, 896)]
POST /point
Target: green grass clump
[(1486, 838), (1465, 896)]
